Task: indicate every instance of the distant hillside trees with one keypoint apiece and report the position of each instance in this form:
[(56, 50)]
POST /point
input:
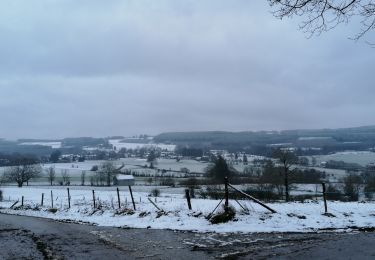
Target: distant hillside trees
[(86, 141), (343, 165), (189, 152), (15, 159)]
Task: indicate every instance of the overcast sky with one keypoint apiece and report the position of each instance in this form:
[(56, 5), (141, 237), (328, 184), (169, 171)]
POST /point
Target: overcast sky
[(100, 68)]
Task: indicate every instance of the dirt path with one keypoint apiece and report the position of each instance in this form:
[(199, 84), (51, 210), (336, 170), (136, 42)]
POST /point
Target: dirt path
[(36, 238)]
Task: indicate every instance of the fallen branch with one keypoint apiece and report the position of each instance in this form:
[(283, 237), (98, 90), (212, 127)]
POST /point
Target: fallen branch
[(14, 204), (252, 198), (156, 206)]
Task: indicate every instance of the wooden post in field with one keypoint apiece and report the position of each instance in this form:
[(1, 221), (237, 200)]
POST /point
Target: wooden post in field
[(93, 198), (52, 198), (68, 198), (42, 202), (226, 194), (22, 202), (325, 198), (131, 194), (187, 192), (118, 198)]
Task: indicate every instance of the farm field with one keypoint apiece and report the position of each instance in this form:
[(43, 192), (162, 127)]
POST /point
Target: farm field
[(119, 145), (360, 157)]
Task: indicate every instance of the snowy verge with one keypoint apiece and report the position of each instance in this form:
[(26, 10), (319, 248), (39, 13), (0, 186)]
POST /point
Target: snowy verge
[(290, 217)]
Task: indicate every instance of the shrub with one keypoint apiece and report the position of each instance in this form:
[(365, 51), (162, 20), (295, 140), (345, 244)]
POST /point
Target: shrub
[(212, 192), (155, 192), (265, 192), (227, 215), (191, 182), (52, 210), (167, 182), (333, 193)]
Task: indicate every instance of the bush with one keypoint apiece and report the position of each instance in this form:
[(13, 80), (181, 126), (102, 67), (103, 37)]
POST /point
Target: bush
[(212, 192), (168, 182), (265, 192), (191, 182), (223, 217), (52, 210), (155, 192), (94, 168), (333, 193), (302, 198)]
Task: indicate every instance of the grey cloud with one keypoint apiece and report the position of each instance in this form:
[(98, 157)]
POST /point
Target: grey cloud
[(73, 68)]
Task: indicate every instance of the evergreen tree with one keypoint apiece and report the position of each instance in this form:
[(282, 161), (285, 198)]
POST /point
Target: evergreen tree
[(219, 170)]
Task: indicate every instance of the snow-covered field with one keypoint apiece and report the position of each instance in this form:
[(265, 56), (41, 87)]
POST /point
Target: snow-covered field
[(290, 217), (361, 157), (118, 144)]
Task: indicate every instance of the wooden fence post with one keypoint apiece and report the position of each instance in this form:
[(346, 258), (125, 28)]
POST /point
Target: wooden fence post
[(325, 198), (187, 192), (68, 198), (93, 198), (52, 198), (131, 194), (42, 200), (226, 194), (22, 202), (118, 198)]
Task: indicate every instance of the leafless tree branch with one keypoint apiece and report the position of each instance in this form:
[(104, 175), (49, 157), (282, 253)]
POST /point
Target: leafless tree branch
[(323, 15)]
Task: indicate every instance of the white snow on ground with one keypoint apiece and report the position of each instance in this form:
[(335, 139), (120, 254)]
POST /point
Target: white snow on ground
[(118, 144), (291, 217)]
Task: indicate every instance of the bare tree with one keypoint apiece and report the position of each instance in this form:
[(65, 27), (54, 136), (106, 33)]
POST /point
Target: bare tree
[(107, 171), (152, 158), (323, 15), (352, 185), (22, 173), (65, 177), (286, 158), (83, 178), (51, 173)]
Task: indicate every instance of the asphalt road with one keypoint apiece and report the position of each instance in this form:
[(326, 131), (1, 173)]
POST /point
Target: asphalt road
[(36, 238)]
